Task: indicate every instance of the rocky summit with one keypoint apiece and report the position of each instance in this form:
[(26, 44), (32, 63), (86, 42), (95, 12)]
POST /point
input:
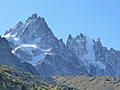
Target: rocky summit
[(33, 42)]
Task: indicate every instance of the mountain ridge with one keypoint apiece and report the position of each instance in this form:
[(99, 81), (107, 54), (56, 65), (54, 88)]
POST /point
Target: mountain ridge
[(34, 43)]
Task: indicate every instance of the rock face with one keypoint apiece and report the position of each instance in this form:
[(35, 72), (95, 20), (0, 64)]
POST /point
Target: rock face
[(96, 58), (7, 58), (34, 43)]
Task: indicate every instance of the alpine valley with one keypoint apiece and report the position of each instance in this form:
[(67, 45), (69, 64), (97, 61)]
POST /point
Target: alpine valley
[(32, 47)]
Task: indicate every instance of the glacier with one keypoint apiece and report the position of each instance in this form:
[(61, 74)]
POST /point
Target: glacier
[(33, 42)]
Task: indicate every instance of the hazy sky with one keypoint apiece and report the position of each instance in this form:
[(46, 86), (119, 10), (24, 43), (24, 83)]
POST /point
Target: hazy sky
[(94, 18)]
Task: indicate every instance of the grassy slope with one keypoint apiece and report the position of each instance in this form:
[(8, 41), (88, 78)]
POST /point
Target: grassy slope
[(12, 79), (89, 82)]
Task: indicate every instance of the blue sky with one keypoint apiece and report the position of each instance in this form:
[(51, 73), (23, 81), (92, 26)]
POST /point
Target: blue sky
[(94, 18)]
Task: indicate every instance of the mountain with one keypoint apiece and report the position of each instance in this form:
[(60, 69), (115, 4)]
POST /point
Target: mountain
[(98, 60), (33, 42), (7, 58)]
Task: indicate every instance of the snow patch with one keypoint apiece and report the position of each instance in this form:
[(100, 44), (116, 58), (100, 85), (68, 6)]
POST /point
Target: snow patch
[(12, 38), (36, 59), (26, 47), (89, 58), (90, 49), (48, 50)]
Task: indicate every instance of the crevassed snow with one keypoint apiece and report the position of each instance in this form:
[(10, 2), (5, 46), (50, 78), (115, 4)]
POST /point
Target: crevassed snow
[(40, 57), (89, 58), (101, 65), (36, 59), (28, 48), (91, 53)]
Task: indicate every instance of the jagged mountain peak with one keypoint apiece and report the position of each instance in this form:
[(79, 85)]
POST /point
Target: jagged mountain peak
[(20, 23), (34, 28), (70, 37), (33, 41), (34, 16), (99, 42), (80, 36), (15, 29), (112, 50)]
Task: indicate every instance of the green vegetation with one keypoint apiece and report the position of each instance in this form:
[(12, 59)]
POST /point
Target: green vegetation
[(12, 79), (1, 71)]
